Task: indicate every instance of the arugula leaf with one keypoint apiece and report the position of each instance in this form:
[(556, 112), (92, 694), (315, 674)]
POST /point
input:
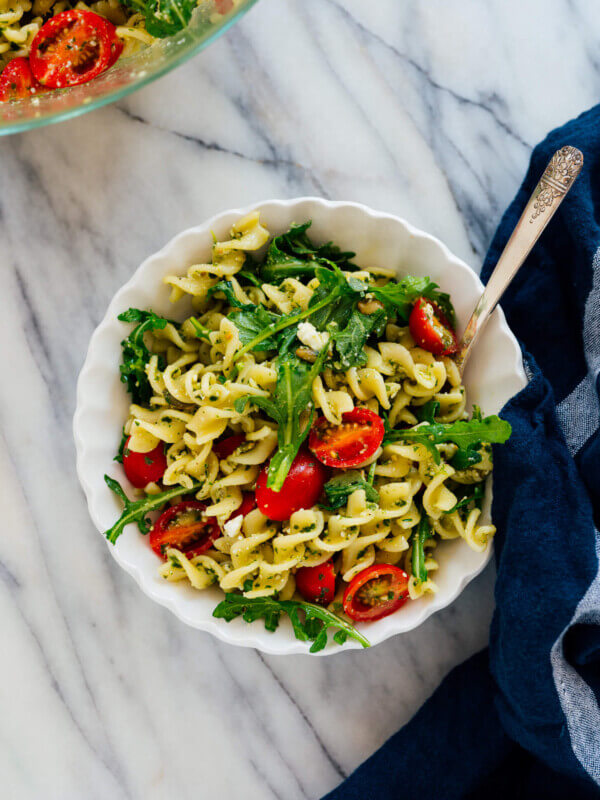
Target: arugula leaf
[(136, 510), (259, 328), (419, 537), (427, 412), (135, 353), (121, 450), (251, 323), (226, 287), (279, 265), (311, 626), (351, 340), (292, 254), (463, 459), (164, 17), (476, 497), (468, 457), (340, 637), (296, 241), (335, 297), (466, 434), (341, 486), (248, 276), (200, 331), (292, 396), (398, 297), (371, 473)]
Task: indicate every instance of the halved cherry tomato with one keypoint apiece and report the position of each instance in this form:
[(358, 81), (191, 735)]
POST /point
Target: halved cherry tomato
[(73, 47), (17, 81), (144, 468), (301, 488), (184, 527), (317, 584), (223, 448), (375, 592), (248, 505), (348, 444), (430, 328)]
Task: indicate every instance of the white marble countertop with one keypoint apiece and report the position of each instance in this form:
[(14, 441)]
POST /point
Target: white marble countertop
[(427, 109)]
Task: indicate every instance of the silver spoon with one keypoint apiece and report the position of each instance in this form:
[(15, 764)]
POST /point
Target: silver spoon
[(560, 174)]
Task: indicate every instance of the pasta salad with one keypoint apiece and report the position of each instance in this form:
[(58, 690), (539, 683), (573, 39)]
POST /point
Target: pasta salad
[(52, 44), (303, 435)]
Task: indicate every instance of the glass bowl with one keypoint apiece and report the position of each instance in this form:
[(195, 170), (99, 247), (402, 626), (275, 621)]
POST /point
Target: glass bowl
[(126, 76)]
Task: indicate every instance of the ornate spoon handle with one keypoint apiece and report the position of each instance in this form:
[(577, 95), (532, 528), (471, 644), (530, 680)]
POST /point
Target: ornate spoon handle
[(560, 174)]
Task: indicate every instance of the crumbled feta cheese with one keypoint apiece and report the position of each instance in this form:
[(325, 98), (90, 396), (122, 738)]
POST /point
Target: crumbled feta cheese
[(311, 337), (233, 526)]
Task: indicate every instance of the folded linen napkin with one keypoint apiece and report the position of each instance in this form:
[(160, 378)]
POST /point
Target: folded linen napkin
[(522, 719)]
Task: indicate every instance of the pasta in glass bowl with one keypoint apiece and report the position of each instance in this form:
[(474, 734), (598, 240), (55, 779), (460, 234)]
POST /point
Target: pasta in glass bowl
[(151, 42), (288, 461)]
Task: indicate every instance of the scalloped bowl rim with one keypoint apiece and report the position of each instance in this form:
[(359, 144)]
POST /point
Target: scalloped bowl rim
[(91, 464)]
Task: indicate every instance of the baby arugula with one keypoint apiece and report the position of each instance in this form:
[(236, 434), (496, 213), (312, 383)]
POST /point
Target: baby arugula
[(226, 288), (252, 322), (310, 622), (200, 331), (470, 494), (164, 17), (332, 301), (427, 412), (291, 398), (350, 341), (333, 307), (420, 535), (136, 510), (135, 353), (398, 297), (334, 304), (293, 255), (341, 486), (467, 435)]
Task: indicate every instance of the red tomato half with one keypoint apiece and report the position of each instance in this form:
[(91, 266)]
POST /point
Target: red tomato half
[(73, 47), (248, 505), (348, 444), (184, 527), (317, 584), (301, 488), (17, 81), (223, 448), (375, 592), (430, 328), (144, 468)]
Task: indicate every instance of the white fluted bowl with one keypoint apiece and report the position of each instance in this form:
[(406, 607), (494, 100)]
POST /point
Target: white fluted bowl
[(494, 374)]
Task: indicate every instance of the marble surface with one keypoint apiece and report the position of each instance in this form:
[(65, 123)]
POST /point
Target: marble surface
[(426, 109)]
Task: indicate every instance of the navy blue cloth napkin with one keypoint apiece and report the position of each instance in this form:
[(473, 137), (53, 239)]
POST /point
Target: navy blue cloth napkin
[(522, 719)]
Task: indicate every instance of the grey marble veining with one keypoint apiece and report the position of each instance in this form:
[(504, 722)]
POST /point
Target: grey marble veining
[(425, 109)]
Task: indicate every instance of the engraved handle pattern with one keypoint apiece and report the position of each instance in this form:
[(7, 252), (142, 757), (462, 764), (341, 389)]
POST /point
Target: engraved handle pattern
[(557, 179), (560, 174)]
